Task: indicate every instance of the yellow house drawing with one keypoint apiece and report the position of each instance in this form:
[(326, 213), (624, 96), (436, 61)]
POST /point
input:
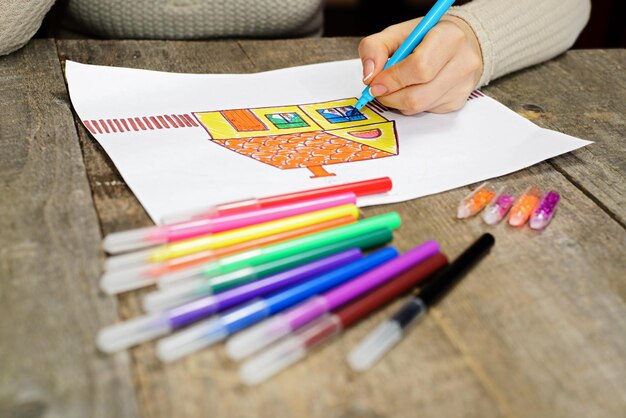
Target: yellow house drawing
[(304, 136)]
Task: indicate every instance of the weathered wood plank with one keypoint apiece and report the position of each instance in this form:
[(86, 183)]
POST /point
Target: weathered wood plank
[(538, 329), (50, 308), (207, 383), (581, 93)]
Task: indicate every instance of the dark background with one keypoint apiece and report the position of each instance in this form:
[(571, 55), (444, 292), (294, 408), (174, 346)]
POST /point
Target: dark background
[(606, 28)]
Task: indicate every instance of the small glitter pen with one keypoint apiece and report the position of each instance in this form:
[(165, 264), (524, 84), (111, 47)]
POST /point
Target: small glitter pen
[(476, 200), (544, 213), (524, 206), (497, 209)]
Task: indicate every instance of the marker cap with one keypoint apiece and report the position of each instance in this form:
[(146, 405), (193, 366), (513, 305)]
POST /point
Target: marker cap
[(176, 295), (272, 361), (206, 333), (289, 350), (118, 281), (374, 346), (136, 331), (257, 337), (119, 242), (191, 340), (124, 261)]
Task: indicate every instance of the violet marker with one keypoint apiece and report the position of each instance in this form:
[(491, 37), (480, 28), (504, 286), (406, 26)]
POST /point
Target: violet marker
[(265, 333), (148, 327), (544, 213)]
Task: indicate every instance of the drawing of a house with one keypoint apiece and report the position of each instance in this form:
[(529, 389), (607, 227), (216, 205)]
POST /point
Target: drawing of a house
[(304, 136)]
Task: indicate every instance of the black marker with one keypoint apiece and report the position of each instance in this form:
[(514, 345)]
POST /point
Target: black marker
[(387, 334)]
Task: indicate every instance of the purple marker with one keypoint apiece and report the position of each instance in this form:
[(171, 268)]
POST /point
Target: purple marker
[(544, 213), (145, 328), (263, 334)]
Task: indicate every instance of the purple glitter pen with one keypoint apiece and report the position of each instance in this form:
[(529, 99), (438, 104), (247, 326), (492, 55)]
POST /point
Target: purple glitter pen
[(544, 213), (498, 206)]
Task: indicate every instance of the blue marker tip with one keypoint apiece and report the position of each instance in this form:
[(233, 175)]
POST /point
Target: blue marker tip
[(365, 98)]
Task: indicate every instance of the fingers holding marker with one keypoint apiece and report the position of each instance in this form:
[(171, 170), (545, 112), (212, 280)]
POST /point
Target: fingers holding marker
[(437, 77), (421, 67), (423, 97), (376, 49)]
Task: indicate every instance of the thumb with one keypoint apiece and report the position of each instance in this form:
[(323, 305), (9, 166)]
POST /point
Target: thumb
[(376, 49)]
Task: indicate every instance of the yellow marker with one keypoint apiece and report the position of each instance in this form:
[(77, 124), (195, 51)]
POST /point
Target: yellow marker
[(225, 239)]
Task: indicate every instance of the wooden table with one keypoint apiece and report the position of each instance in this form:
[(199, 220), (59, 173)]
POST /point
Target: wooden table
[(537, 330)]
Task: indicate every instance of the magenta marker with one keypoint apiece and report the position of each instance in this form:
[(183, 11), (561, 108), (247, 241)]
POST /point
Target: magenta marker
[(263, 334), (156, 235), (497, 209), (544, 213)]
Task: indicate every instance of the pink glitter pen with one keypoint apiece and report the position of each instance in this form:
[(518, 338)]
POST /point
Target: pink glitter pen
[(545, 211), (498, 206)]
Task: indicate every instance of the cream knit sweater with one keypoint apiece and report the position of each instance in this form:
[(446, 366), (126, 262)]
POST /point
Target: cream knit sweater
[(513, 34)]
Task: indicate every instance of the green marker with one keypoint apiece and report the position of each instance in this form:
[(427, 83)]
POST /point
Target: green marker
[(340, 238), (200, 287), (283, 249)]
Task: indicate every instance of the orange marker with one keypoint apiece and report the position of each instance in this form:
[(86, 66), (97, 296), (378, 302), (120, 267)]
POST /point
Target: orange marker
[(149, 274), (524, 206), (476, 201)]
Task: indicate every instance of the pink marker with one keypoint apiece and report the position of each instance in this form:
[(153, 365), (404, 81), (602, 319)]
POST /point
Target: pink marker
[(156, 235), (267, 332)]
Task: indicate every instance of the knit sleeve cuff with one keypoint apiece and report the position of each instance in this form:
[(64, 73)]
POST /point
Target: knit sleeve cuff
[(484, 40)]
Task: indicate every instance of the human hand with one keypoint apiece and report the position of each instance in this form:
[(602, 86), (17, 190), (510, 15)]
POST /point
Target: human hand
[(437, 77)]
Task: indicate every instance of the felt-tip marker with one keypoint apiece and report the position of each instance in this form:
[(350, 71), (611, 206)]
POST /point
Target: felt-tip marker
[(195, 289), (359, 188), (118, 281), (390, 332), (137, 239), (295, 347), (148, 327), (271, 330), (208, 332)]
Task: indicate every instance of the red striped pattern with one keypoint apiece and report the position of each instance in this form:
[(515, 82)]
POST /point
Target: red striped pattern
[(376, 105), (141, 123), (475, 95)]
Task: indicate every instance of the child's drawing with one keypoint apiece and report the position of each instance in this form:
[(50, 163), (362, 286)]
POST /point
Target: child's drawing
[(304, 136)]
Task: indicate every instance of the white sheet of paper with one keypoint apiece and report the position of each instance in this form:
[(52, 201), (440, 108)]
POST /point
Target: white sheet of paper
[(177, 169)]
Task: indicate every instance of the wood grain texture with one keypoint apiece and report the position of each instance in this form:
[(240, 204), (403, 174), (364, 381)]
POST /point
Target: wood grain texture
[(536, 330), (206, 384), (50, 308), (580, 93)]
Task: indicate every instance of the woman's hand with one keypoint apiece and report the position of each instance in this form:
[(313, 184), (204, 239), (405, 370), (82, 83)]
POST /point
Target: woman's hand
[(437, 77)]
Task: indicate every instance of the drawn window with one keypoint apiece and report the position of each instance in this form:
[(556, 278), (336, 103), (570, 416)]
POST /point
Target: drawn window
[(341, 114), (286, 120)]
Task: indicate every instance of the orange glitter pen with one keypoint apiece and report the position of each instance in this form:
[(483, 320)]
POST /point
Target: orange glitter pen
[(476, 200), (524, 206)]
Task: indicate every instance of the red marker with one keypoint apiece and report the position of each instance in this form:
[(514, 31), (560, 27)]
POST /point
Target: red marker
[(359, 188), (295, 347)]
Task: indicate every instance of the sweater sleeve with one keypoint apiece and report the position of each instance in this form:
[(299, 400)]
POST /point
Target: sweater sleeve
[(514, 34), (19, 20)]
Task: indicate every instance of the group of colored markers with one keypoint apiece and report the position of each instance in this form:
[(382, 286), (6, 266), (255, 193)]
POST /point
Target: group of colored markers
[(285, 273), (532, 206)]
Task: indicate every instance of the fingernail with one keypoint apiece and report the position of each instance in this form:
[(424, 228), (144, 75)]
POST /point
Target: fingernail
[(378, 90), (368, 69)]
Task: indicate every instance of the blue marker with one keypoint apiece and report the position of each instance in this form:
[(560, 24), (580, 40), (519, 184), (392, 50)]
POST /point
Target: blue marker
[(216, 329), (410, 43)]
